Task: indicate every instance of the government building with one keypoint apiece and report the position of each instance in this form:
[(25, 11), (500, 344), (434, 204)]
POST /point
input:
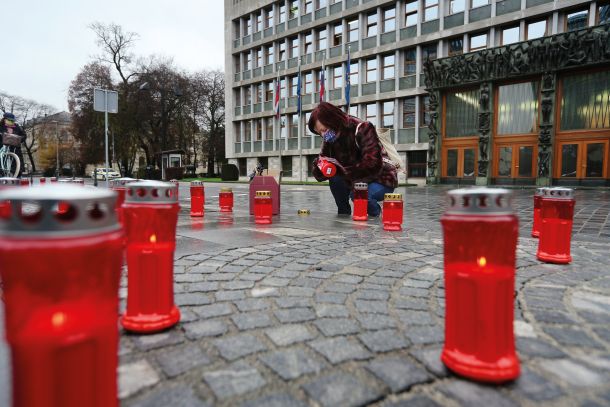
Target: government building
[(513, 92)]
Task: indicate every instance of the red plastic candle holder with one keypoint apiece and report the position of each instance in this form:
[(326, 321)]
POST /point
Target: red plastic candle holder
[(536, 220), (480, 239), (392, 215), (225, 200), (197, 199), (328, 169), (151, 214), (24, 182), (263, 207), (556, 219), (177, 184), (7, 183), (61, 276), (43, 180), (361, 200), (119, 185), (53, 179)]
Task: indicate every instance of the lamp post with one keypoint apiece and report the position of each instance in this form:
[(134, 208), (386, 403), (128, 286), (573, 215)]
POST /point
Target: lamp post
[(57, 147)]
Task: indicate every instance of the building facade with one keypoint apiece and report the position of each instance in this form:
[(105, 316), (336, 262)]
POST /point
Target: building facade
[(464, 85)]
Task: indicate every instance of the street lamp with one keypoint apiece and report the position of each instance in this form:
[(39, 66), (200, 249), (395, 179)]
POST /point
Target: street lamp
[(57, 147)]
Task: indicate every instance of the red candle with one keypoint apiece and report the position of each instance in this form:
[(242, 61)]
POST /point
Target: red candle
[(536, 221), (328, 169), (61, 280), (392, 212), (361, 194), (556, 218), (177, 183), (263, 207), (151, 214), (43, 180), (225, 200), (197, 199), (119, 185), (25, 182), (7, 183), (480, 239), (53, 179)]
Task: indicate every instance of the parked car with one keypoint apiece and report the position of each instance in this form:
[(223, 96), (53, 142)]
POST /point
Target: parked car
[(103, 173)]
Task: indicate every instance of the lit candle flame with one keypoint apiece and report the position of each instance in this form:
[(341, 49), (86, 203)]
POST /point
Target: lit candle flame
[(481, 261), (153, 238), (58, 319)]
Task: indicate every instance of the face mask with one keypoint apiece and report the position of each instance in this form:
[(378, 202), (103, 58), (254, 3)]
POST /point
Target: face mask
[(329, 136)]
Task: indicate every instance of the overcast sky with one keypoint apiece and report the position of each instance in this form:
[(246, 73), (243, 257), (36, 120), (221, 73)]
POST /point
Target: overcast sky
[(48, 42)]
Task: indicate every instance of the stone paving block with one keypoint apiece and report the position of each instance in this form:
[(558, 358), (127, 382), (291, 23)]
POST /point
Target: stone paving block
[(251, 276), (340, 288), (252, 304), (372, 295), (571, 336), (331, 298), (340, 349), (176, 395), (331, 311), (233, 268), (154, 341), (275, 400), (411, 304), (237, 346), (229, 295), (234, 380), (537, 348), (192, 299), (471, 394), (373, 322), (373, 307), (213, 310), (398, 373), (340, 389), (290, 315), (573, 373), (307, 282), (384, 341), (431, 359), (291, 364), (188, 278), (293, 302), (237, 285), (416, 401), (251, 320), (206, 286), (135, 376), (196, 330), (535, 387), (425, 335), (285, 335), (337, 326), (261, 292), (180, 360), (300, 292)]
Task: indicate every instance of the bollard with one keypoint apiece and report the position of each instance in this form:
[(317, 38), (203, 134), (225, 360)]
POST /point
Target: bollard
[(225, 200), (150, 213), (61, 279), (263, 207), (556, 218), (361, 200), (328, 169), (480, 239), (197, 199), (536, 220), (119, 185), (392, 215)]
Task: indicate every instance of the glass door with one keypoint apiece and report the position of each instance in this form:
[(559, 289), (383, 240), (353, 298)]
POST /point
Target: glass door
[(460, 162), (516, 161), (583, 159)]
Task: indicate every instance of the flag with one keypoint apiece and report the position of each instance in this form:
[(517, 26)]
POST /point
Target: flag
[(348, 85), (322, 83), (299, 91), (276, 102)]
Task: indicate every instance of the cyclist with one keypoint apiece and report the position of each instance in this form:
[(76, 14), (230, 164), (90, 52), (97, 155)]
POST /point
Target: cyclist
[(8, 125)]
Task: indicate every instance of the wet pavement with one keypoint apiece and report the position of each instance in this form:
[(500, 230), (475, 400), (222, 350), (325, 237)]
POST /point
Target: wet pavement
[(319, 310)]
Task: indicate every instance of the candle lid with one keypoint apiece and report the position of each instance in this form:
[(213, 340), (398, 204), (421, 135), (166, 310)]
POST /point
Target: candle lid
[(303, 212), (361, 185), (559, 193), (121, 182), (78, 181), (480, 201), (35, 212), (151, 192), (540, 191), (392, 197), (9, 182), (225, 189), (263, 193), (196, 183)]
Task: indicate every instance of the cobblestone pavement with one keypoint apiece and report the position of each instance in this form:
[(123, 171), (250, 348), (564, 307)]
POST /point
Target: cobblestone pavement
[(319, 310)]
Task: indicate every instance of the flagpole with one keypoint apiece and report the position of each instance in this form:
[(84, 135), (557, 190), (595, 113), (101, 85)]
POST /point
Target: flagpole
[(299, 127), (348, 82), (277, 116)]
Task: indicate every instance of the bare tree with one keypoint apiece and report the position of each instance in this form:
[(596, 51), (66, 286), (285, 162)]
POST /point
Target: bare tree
[(116, 47)]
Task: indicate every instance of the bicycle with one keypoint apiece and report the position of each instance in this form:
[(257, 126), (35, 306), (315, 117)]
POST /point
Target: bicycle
[(10, 164)]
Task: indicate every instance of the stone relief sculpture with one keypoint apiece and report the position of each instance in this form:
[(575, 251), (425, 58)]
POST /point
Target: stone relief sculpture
[(484, 127)]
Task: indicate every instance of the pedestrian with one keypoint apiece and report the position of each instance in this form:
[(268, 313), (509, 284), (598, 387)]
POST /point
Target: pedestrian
[(353, 146)]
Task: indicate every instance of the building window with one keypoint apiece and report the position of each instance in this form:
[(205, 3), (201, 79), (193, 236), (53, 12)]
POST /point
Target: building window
[(269, 92), (577, 20), (294, 126), (259, 22), (269, 18), (354, 69), (603, 13), (283, 88), (424, 110), (387, 120), (258, 125), (478, 41), (430, 10), (282, 13), (308, 83), (308, 44), (408, 113), (259, 92), (370, 113), (282, 52), (353, 110), (429, 52), (337, 34), (352, 30), (337, 77), (462, 113), (517, 108), (294, 47), (510, 35), (585, 101), (410, 61), (478, 3), (371, 70), (387, 67), (248, 61), (321, 34), (269, 55), (456, 46), (236, 64), (248, 96), (259, 58), (308, 6), (536, 29), (287, 166), (248, 27), (389, 19), (371, 25), (320, 4), (411, 13), (242, 162), (293, 9), (294, 82), (269, 128), (456, 6), (248, 130)]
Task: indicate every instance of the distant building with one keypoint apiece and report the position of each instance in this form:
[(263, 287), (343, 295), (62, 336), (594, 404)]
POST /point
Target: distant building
[(49, 133), (492, 128)]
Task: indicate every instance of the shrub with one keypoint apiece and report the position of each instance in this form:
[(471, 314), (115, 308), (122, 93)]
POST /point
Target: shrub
[(229, 172)]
